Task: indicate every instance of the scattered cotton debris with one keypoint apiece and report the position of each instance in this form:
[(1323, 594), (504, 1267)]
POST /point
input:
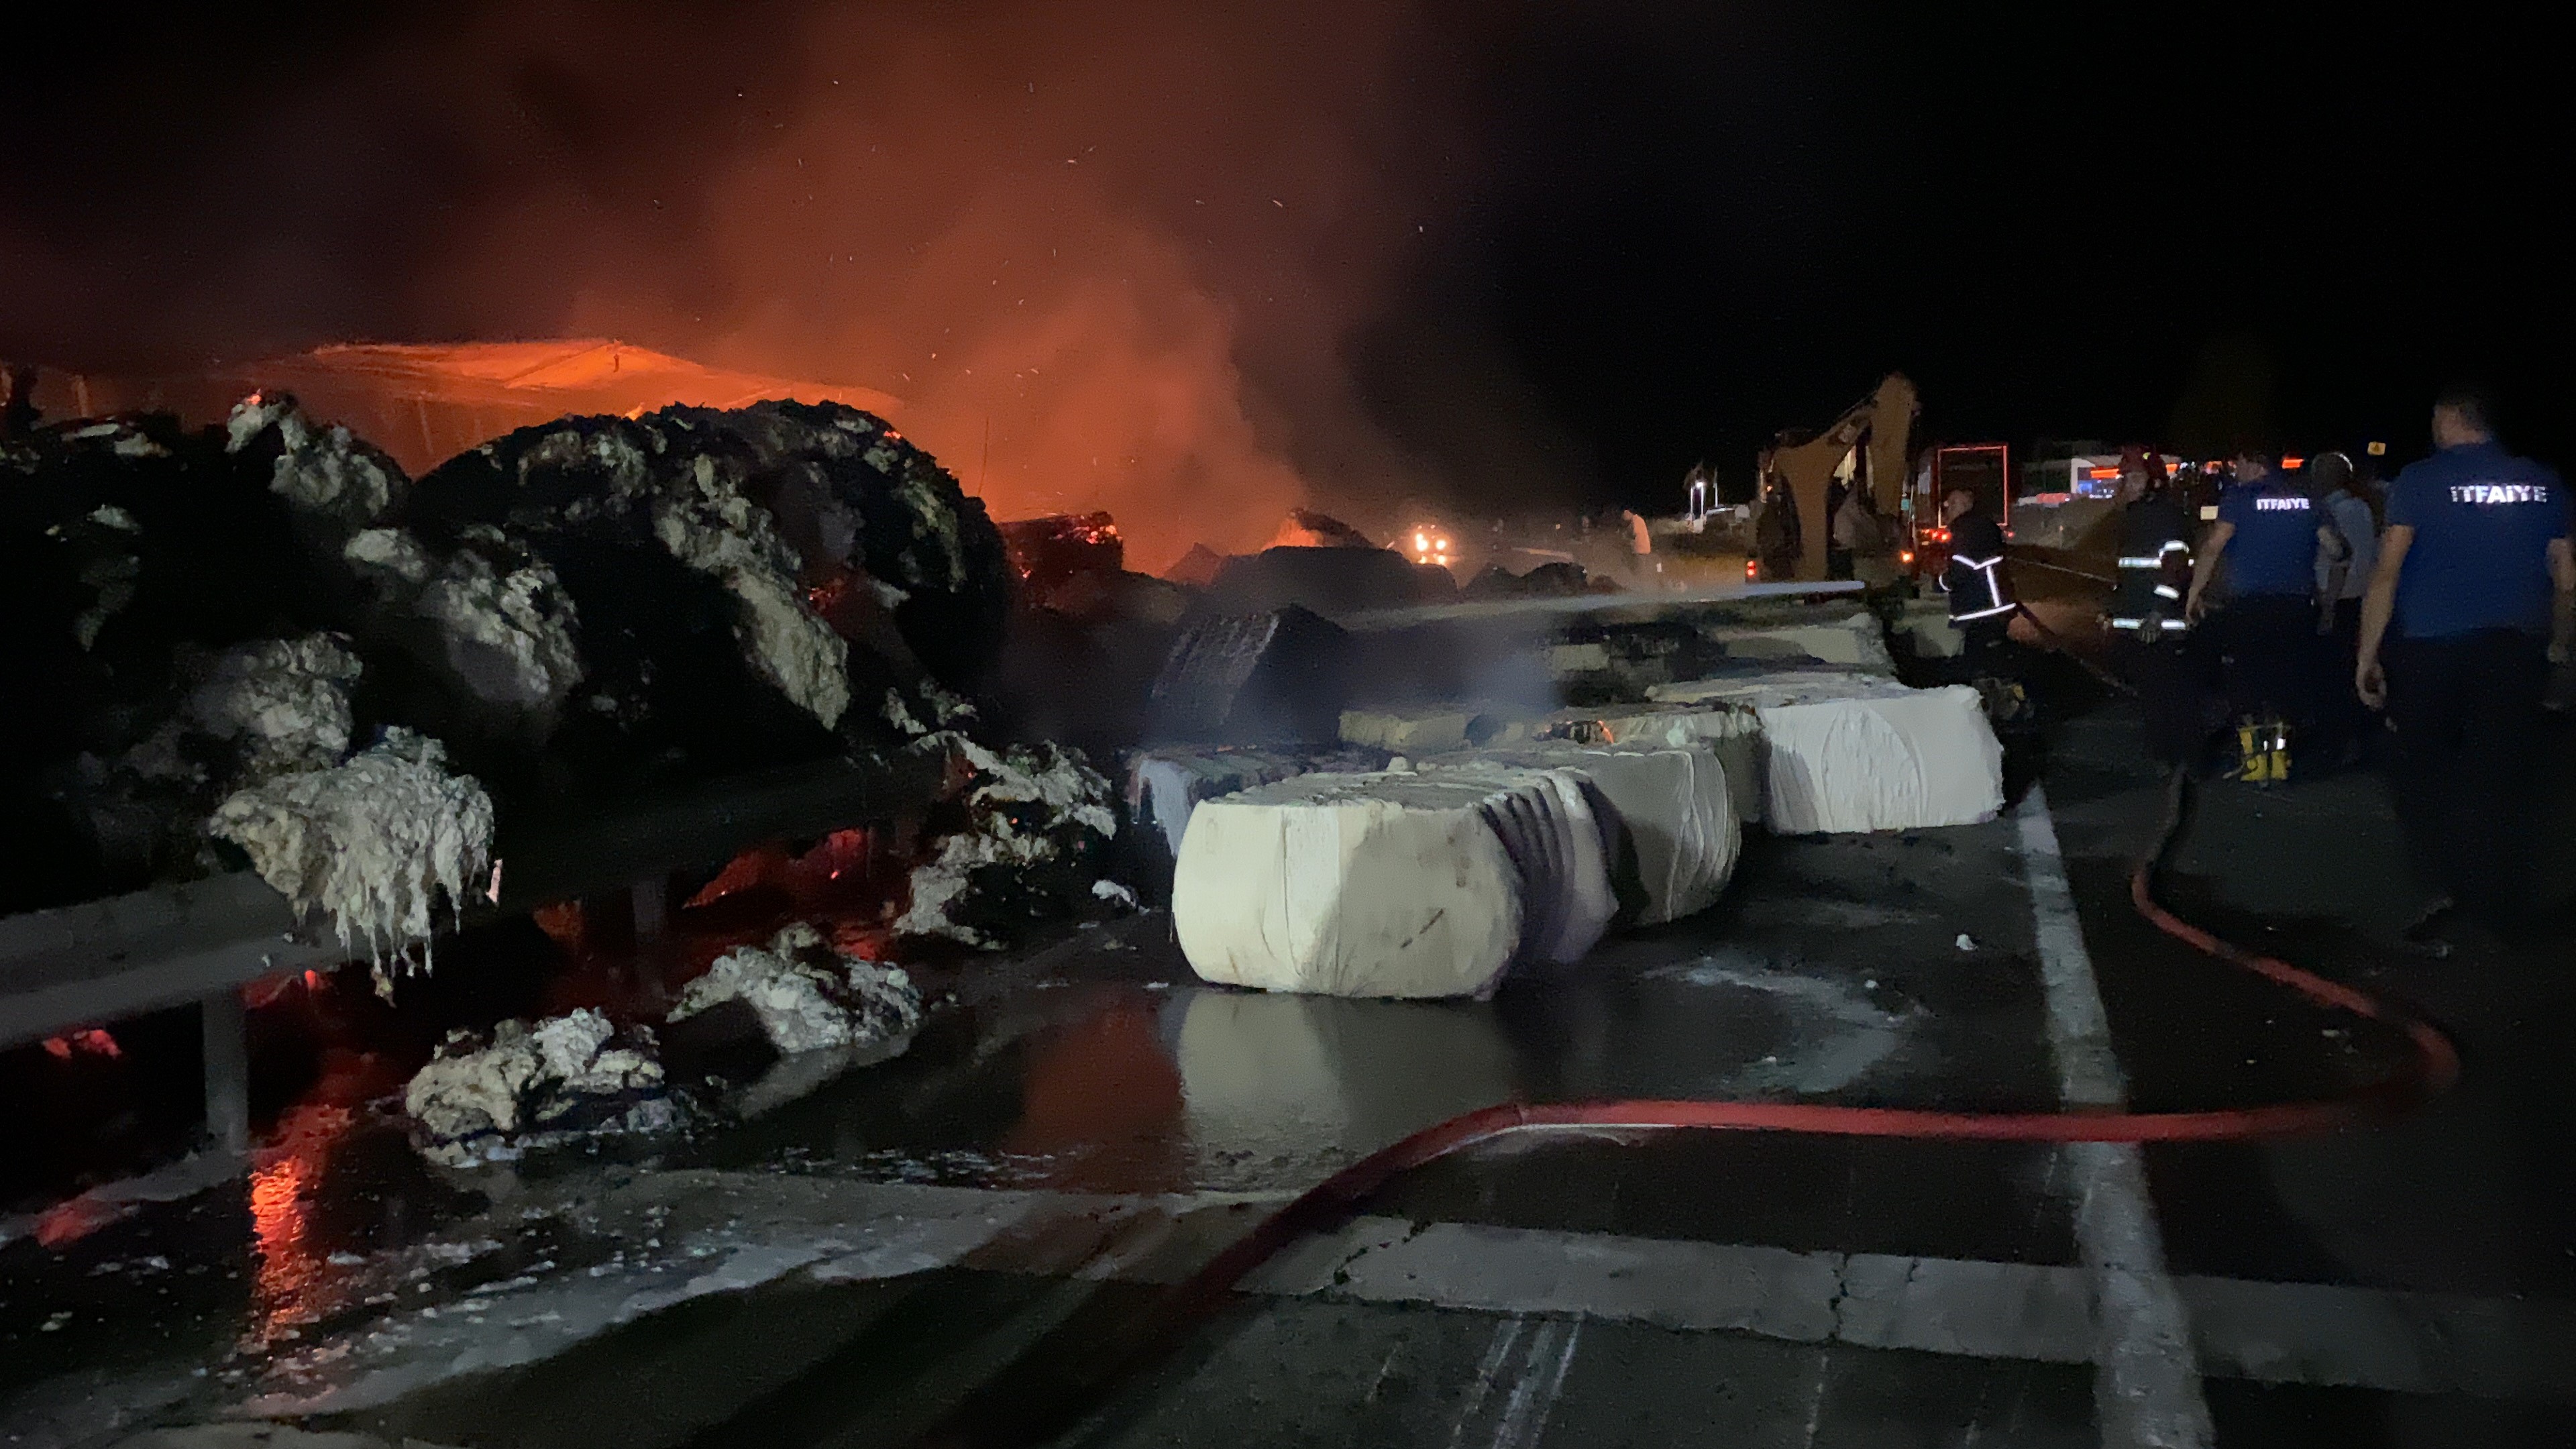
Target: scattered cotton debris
[(529, 1086), (808, 996), (284, 703)]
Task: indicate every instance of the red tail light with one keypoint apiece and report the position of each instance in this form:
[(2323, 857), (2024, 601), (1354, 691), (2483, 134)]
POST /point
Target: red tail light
[(1752, 570)]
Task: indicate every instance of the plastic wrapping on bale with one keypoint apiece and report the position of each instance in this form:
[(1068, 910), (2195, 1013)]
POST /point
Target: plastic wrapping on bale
[(1167, 782), (1392, 884), (1855, 752), (1669, 822)]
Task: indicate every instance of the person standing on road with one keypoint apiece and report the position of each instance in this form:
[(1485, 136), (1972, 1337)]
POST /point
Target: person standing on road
[(1981, 596), (2340, 586), (2477, 544), (2271, 535), (1776, 541), (2151, 642)]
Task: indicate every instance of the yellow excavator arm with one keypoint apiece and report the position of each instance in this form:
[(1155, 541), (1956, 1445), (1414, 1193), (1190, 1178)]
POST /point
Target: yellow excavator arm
[(1881, 426)]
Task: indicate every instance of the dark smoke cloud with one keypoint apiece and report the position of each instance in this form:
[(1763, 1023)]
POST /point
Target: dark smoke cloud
[(1109, 257)]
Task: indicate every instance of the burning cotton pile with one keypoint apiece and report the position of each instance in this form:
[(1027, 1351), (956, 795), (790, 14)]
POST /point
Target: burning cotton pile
[(807, 996), (794, 530), (324, 473), (534, 1086)]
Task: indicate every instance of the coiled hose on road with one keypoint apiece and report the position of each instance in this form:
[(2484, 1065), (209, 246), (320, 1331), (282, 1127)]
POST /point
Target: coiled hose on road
[(1075, 1380)]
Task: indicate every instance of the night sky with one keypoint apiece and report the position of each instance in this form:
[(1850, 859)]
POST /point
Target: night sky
[(1597, 241)]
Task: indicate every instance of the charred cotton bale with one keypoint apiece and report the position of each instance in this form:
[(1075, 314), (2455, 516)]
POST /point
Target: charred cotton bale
[(739, 577), (1856, 752), (1019, 844), (1391, 884), (1331, 581), (1272, 678)]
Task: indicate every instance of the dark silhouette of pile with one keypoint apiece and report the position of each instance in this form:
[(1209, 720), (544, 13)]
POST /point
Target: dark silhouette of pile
[(749, 583)]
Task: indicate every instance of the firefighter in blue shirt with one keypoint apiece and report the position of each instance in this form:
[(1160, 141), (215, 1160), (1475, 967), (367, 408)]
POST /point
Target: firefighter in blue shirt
[(2271, 535), (2476, 575)]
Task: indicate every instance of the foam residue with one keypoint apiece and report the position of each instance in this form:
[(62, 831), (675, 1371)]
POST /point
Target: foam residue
[(368, 844)]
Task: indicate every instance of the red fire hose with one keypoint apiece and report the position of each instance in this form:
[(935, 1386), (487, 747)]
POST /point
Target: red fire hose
[(1102, 1360)]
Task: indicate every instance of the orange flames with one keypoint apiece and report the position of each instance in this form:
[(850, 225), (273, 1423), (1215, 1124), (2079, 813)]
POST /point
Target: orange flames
[(93, 1042)]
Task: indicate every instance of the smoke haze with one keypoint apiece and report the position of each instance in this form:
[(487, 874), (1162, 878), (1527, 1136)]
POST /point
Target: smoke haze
[(1107, 260)]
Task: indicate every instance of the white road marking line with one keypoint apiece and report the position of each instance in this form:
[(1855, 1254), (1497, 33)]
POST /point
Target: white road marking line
[(1506, 1334), (2146, 1394), (1383, 1370), (2281, 1333), (1534, 1397)]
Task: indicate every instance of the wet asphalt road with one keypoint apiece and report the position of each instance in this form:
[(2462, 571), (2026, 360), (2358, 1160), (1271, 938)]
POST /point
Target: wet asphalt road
[(954, 1226)]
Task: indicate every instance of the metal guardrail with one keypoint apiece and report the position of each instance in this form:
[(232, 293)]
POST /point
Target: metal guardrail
[(200, 941)]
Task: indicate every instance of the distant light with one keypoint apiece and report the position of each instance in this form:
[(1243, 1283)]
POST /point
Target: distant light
[(2377, 450)]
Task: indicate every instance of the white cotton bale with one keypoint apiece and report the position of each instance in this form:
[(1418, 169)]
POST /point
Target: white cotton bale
[(1673, 835), (1857, 641), (1733, 732), (1845, 753), (1394, 884)]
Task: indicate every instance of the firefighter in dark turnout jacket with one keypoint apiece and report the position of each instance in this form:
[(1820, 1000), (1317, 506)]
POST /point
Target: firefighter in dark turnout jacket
[(2152, 643), (1981, 596)]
